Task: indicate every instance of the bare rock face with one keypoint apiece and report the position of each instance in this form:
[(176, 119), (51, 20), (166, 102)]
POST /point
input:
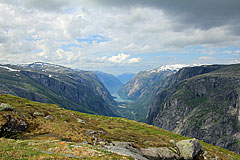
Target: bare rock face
[(189, 148), (159, 153), (205, 106), (5, 107), (13, 126)]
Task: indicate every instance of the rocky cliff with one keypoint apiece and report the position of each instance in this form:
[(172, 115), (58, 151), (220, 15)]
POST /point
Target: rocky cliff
[(201, 102), (76, 90)]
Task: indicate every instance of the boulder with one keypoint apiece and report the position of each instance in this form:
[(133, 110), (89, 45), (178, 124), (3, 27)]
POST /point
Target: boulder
[(13, 126), (189, 149), (38, 114), (159, 153), (49, 117), (5, 107)]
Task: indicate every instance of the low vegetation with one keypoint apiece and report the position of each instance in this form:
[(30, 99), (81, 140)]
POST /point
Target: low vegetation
[(56, 133)]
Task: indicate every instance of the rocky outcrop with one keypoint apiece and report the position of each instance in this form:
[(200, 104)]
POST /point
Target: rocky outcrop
[(203, 104), (5, 107), (189, 149), (185, 150), (13, 126)]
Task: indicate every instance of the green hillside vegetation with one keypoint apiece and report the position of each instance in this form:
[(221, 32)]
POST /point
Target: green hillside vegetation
[(57, 133)]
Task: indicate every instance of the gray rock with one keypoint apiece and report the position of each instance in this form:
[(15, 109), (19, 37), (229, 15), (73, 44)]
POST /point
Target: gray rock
[(189, 148), (80, 121), (13, 126), (159, 153), (38, 114), (6, 107), (49, 117), (172, 142), (124, 148)]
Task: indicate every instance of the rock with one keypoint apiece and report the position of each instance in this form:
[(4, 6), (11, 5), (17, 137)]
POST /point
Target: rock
[(80, 121), (125, 148), (172, 142), (13, 126), (6, 107), (188, 149), (49, 117), (159, 153), (38, 114)]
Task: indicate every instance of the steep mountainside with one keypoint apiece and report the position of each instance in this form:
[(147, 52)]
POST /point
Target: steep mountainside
[(43, 82), (32, 130), (201, 102), (125, 77), (144, 86), (109, 81)]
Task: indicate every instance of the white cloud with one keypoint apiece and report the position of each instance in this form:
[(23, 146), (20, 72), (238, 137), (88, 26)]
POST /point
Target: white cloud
[(48, 30), (134, 60), (211, 52), (206, 58), (237, 51), (121, 58), (228, 52)]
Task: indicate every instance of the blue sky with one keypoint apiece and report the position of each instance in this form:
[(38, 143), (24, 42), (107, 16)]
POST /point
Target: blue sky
[(119, 36)]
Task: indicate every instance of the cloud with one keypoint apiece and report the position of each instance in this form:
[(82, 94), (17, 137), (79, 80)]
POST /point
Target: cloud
[(206, 58), (121, 58), (78, 32), (227, 52), (211, 53), (237, 51)]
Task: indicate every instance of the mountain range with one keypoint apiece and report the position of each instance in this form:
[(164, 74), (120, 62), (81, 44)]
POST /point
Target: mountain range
[(49, 83), (196, 101)]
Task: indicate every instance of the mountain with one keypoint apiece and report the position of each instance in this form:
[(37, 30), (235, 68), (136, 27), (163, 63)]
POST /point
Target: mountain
[(109, 81), (125, 77), (143, 87), (201, 102), (33, 130), (49, 83)]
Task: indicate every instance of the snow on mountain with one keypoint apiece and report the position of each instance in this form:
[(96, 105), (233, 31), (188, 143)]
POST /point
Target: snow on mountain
[(174, 67)]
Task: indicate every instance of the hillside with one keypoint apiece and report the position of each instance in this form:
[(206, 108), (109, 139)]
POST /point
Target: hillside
[(109, 81), (33, 130), (49, 83), (125, 77), (143, 87), (201, 102)]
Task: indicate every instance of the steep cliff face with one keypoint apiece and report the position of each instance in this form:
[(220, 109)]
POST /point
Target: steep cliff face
[(109, 81), (76, 90), (203, 104)]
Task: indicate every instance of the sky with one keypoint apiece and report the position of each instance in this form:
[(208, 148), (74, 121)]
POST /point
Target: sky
[(118, 36)]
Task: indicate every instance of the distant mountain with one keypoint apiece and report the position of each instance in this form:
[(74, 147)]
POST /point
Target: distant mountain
[(143, 87), (201, 102), (49, 83), (109, 81), (125, 77)]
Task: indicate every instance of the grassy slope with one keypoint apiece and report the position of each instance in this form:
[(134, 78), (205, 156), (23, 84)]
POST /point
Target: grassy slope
[(47, 135)]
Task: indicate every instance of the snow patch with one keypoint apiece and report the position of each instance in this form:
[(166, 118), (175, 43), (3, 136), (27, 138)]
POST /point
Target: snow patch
[(10, 69)]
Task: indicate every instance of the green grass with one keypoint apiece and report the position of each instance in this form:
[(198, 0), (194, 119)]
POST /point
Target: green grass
[(64, 126)]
